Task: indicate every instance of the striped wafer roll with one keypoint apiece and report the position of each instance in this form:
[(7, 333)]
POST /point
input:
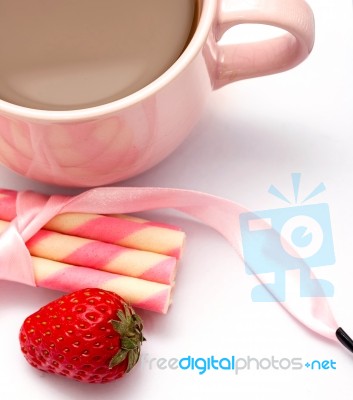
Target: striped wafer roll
[(139, 293), (127, 231), (102, 256)]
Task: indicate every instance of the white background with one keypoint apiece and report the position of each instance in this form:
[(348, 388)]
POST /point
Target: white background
[(252, 134)]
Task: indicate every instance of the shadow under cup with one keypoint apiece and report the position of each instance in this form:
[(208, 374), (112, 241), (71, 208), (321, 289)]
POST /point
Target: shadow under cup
[(70, 55)]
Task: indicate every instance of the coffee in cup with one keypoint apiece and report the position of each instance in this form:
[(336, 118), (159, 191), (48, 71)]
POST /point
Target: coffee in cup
[(67, 54)]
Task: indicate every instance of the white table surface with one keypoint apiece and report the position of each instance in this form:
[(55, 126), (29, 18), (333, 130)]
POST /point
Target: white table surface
[(253, 134)]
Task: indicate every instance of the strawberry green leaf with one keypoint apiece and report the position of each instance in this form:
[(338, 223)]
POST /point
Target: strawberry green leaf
[(118, 358), (132, 359), (129, 344), (120, 327)]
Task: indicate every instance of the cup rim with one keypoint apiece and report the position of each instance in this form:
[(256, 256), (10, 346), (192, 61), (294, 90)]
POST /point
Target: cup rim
[(208, 9)]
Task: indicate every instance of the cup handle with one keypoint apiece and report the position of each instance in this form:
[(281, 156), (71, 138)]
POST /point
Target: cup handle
[(248, 60)]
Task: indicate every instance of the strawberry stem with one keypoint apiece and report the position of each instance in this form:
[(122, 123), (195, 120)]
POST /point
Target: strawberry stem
[(129, 327)]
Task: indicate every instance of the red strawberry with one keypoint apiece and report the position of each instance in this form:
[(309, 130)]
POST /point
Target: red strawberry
[(91, 335)]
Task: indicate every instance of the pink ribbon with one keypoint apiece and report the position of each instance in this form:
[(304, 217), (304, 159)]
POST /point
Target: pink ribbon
[(35, 210)]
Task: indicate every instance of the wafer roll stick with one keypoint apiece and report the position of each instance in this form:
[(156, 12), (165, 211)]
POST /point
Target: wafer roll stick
[(139, 293), (102, 256), (127, 231)]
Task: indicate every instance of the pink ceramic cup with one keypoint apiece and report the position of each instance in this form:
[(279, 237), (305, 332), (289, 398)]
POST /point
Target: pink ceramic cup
[(117, 140)]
